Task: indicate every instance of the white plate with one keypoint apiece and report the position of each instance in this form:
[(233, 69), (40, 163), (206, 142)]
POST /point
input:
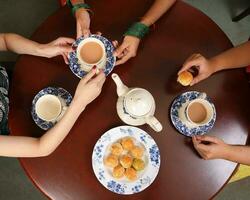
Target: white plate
[(124, 186)]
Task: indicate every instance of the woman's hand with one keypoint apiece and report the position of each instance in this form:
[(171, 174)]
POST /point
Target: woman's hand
[(205, 67), (89, 88), (210, 147), (60, 46), (127, 49), (82, 22)]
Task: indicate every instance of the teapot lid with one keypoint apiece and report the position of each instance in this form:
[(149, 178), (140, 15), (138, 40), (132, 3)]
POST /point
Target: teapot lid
[(138, 102)]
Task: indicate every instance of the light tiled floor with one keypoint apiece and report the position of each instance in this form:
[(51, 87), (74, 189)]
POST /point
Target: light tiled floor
[(23, 16)]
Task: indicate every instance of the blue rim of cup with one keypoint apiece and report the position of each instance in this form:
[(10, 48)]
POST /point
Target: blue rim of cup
[(58, 92), (181, 126), (73, 60)]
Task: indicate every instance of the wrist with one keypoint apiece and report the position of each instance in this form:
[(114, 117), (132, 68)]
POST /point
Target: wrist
[(138, 30), (79, 11), (40, 50), (79, 104), (227, 152), (77, 6), (146, 21), (215, 64)]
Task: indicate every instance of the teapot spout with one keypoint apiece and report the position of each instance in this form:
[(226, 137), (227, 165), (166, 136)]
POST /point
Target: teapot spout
[(120, 87)]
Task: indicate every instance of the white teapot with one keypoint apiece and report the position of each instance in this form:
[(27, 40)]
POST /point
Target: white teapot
[(135, 106)]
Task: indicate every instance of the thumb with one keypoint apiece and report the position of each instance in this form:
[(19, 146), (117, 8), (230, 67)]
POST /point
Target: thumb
[(188, 64), (120, 49), (65, 49), (205, 138), (197, 79)]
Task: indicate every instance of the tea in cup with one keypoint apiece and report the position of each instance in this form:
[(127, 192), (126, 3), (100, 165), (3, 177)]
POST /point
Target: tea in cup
[(48, 107), (199, 112), (91, 52)]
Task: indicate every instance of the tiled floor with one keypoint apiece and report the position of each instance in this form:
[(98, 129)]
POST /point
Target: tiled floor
[(24, 16)]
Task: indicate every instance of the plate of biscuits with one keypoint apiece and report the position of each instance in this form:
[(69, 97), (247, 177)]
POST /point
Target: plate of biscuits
[(126, 160)]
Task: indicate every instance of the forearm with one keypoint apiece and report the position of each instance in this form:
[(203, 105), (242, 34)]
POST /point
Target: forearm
[(233, 58), (156, 11), (51, 140), (20, 146), (238, 154), (18, 44)]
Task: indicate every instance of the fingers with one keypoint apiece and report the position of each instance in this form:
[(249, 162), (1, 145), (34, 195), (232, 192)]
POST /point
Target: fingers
[(123, 59), (65, 49), (197, 79), (195, 140), (65, 40), (85, 32), (65, 57), (115, 43), (98, 33), (89, 76), (205, 138), (78, 30), (190, 62), (120, 49), (99, 78)]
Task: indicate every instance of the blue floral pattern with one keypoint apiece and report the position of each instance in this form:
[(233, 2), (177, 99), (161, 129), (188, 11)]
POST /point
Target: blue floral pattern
[(59, 92), (181, 126), (154, 155), (117, 185), (73, 60)]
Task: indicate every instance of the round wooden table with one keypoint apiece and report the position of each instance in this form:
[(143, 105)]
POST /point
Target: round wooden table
[(67, 173)]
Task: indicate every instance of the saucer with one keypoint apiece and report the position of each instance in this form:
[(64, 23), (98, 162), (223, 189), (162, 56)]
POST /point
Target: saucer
[(76, 67), (63, 95), (121, 186), (184, 127)]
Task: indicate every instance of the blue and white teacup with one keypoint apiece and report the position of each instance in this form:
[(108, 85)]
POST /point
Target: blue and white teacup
[(49, 108), (100, 60), (199, 111)]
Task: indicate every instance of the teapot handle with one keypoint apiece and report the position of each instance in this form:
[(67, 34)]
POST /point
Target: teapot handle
[(154, 123)]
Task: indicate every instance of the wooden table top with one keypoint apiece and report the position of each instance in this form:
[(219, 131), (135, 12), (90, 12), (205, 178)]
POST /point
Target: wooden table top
[(67, 173)]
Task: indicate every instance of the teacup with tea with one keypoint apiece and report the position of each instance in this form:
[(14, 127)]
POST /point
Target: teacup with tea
[(49, 107), (199, 112), (91, 52)]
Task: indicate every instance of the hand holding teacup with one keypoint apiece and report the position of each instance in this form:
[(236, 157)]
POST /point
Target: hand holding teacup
[(60, 46), (127, 49), (89, 88)]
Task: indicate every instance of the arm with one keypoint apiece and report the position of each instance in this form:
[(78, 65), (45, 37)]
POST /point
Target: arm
[(17, 146), (129, 46), (239, 154), (156, 11), (214, 148), (20, 45), (82, 19), (233, 58)]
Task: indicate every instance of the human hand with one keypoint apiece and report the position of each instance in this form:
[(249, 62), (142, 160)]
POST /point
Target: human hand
[(127, 49), (205, 67), (82, 22), (89, 88), (60, 46), (210, 147)]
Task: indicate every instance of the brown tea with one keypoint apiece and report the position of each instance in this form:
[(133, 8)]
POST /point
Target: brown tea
[(91, 52), (197, 112)]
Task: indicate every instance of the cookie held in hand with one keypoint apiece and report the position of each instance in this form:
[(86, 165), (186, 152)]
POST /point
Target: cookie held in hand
[(185, 78)]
